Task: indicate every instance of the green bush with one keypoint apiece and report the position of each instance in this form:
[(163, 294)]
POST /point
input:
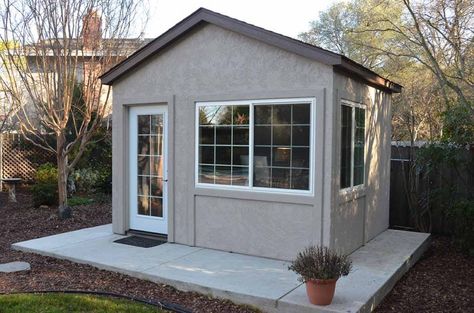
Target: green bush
[(85, 179), (46, 173), (99, 153), (45, 189), (462, 216)]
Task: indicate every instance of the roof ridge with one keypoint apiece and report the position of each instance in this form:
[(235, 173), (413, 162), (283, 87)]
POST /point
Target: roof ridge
[(256, 32)]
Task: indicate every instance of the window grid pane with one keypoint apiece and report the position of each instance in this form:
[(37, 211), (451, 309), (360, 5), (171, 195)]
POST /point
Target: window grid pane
[(224, 152), (277, 141)]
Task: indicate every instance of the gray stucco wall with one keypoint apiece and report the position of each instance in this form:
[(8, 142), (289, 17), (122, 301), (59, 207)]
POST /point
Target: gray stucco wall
[(216, 64), (359, 216)]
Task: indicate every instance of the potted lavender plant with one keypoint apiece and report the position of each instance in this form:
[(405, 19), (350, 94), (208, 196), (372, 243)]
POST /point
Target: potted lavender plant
[(320, 268)]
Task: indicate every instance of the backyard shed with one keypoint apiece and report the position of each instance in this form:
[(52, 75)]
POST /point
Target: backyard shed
[(232, 137)]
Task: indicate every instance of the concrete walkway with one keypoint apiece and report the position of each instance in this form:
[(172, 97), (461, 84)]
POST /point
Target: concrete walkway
[(261, 282)]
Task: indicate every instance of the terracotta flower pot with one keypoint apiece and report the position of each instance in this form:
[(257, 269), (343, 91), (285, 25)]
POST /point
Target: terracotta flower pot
[(321, 291)]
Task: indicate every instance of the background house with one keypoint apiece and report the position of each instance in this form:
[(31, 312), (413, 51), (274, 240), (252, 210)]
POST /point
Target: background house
[(86, 57)]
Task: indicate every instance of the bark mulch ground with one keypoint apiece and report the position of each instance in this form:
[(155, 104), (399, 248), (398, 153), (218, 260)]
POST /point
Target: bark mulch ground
[(442, 281), (21, 221)]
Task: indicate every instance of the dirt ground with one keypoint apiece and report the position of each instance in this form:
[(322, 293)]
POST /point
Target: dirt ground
[(442, 281), (22, 222)]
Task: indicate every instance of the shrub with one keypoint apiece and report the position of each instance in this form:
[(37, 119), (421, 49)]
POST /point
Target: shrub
[(85, 179), (75, 201), (462, 217), (99, 153), (45, 189), (317, 262), (46, 173)]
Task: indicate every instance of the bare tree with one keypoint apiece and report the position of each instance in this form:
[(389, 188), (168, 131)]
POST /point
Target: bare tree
[(58, 46)]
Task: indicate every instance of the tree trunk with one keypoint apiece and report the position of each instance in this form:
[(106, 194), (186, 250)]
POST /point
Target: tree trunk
[(63, 210)]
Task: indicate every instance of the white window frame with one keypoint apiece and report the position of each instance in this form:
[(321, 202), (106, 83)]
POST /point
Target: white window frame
[(251, 104), (352, 105)]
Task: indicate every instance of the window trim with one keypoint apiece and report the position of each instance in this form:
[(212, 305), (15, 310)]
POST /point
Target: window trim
[(352, 105), (251, 103)]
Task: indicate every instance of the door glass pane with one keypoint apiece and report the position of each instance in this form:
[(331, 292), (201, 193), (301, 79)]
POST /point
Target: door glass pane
[(150, 165), (156, 145), (143, 124), (143, 144), (156, 207), (143, 185), (157, 124), (143, 205), (143, 165), (156, 186)]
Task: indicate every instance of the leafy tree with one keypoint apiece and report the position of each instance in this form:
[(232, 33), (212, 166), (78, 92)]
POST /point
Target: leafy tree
[(62, 43)]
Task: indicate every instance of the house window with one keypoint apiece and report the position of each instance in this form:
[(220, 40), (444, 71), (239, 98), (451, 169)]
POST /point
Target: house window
[(352, 144), (224, 144), (259, 145)]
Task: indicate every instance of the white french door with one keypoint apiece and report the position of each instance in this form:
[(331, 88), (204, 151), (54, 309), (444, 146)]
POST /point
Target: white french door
[(148, 169)]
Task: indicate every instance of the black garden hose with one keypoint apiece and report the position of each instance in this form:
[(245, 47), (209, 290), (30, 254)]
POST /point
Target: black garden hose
[(160, 304)]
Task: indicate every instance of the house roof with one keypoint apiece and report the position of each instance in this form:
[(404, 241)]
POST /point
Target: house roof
[(202, 15), (119, 46)]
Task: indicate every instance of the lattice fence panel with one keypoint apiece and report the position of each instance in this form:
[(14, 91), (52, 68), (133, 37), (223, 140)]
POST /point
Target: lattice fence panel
[(21, 158)]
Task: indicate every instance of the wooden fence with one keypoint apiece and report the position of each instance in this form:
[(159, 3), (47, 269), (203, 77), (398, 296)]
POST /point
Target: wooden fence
[(447, 177), (19, 158)]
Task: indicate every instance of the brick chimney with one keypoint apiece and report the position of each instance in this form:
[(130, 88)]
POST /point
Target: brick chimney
[(92, 30)]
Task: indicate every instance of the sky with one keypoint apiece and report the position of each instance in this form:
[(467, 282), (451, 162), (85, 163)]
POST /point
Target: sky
[(289, 18)]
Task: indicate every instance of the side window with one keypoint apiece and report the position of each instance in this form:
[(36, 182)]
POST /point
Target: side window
[(352, 145)]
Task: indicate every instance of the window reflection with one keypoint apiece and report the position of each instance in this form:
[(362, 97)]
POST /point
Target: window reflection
[(223, 145), (281, 145)]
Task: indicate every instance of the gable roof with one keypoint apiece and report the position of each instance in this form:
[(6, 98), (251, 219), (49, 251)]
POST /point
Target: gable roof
[(203, 15)]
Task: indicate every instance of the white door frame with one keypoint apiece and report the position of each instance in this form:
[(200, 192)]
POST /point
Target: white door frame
[(141, 222)]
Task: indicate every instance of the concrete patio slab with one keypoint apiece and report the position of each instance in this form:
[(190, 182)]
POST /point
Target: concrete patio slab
[(245, 279), (377, 266), (257, 281)]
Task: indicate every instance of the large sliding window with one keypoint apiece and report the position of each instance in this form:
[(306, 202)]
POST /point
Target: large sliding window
[(262, 145), (352, 144)]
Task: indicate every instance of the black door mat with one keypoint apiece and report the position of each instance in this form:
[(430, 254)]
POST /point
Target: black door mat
[(142, 242)]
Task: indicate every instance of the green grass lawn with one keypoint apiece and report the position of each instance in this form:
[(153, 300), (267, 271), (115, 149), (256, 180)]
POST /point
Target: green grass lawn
[(70, 303)]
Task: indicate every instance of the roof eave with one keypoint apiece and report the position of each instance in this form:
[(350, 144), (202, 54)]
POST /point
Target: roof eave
[(347, 65)]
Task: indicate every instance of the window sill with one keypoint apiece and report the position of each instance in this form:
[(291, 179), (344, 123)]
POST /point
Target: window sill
[(352, 193), (306, 199)]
